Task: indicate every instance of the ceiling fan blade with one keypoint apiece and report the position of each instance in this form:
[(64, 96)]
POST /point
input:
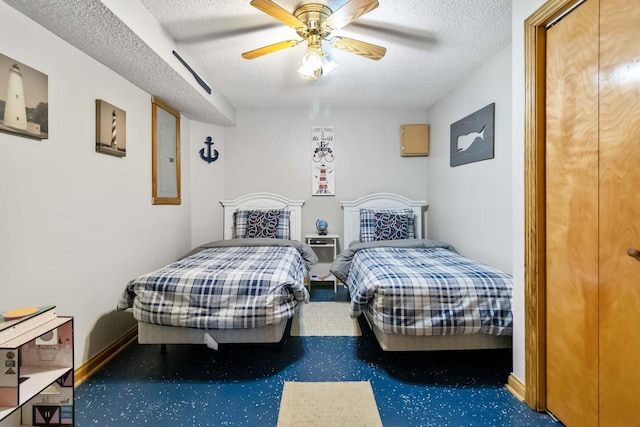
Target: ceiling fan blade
[(358, 47), (270, 49), (351, 11), (272, 9)]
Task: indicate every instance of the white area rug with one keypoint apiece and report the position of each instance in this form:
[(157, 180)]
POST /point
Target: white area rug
[(328, 404), (324, 319)]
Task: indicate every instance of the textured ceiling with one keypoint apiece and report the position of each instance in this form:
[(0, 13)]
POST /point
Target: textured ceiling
[(431, 44)]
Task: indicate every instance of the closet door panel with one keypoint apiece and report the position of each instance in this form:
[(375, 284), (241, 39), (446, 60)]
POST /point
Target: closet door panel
[(619, 213), (572, 216)]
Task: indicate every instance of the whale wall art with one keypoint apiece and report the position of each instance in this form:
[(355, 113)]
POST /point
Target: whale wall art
[(472, 137)]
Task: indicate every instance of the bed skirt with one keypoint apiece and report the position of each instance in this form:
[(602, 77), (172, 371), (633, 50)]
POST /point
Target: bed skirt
[(159, 334), (398, 342)]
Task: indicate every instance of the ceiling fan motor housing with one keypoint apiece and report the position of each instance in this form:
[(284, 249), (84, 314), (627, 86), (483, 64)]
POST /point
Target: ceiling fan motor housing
[(313, 16)]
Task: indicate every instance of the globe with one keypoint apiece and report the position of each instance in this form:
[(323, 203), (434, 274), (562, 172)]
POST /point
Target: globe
[(322, 226)]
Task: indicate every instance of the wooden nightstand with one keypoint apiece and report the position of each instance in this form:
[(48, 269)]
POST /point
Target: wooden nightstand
[(326, 248)]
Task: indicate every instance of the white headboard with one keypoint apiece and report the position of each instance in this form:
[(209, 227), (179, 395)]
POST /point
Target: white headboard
[(379, 201), (263, 201)]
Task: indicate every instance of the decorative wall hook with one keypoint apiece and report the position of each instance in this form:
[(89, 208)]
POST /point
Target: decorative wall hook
[(209, 158)]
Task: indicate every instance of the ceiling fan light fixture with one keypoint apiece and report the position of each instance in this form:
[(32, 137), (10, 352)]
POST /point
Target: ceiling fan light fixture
[(312, 60), (328, 64), (308, 73)]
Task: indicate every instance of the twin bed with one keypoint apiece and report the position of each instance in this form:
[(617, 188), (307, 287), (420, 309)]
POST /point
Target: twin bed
[(243, 289), (418, 294), (415, 294)]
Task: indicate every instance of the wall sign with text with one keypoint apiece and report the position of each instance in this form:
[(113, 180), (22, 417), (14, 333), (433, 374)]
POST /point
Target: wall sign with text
[(322, 161)]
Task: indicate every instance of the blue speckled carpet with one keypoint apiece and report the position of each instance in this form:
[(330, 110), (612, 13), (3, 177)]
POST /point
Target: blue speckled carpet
[(241, 385)]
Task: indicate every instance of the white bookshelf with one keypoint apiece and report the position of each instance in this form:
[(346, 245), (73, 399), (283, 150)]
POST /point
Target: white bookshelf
[(326, 248), (37, 373)]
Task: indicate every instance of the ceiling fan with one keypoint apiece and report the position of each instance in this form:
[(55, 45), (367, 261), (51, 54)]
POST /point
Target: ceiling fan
[(314, 22)]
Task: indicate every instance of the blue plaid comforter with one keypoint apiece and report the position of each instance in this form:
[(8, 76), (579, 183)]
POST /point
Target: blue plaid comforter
[(427, 291), (221, 288)]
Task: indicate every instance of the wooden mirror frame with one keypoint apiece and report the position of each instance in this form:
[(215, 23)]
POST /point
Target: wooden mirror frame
[(157, 139)]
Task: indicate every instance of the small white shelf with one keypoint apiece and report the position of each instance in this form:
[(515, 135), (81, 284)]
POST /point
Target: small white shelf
[(38, 365), (39, 379), (326, 248), (34, 333), (322, 278)]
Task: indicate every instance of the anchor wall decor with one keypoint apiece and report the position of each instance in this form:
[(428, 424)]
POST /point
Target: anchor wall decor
[(209, 157)]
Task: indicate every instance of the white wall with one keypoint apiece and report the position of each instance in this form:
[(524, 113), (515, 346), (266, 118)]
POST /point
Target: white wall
[(270, 150), (207, 184), (470, 205), (76, 225)]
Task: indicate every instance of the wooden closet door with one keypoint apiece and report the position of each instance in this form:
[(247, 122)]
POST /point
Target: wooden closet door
[(619, 213), (572, 217)]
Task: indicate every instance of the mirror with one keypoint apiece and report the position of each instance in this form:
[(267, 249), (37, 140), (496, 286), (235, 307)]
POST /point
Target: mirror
[(165, 152)]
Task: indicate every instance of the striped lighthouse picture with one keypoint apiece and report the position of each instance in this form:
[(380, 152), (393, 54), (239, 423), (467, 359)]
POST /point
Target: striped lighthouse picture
[(111, 129), (24, 104), (322, 161), (114, 128)]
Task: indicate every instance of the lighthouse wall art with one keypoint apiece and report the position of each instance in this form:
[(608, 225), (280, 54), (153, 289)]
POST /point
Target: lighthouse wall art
[(322, 161), (24, 99), (111, 129)]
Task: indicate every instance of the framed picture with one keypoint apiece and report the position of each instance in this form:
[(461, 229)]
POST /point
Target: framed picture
[(24, 100), (111, 129), (472, 137), (322, 161)]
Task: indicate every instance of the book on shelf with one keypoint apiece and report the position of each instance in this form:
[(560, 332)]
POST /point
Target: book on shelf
[(318, 242), (13, 324)]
